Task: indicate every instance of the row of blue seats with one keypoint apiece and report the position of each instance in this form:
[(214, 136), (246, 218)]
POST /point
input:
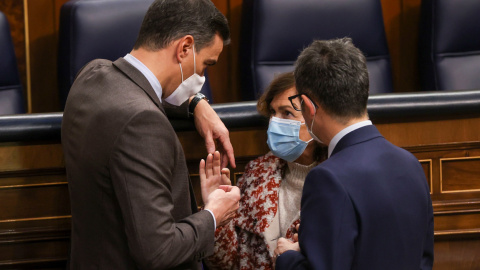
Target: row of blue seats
[(11, 97), (273, 34)]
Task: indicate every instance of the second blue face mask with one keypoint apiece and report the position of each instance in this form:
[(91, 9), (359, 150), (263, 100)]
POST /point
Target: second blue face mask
[(283, 138)]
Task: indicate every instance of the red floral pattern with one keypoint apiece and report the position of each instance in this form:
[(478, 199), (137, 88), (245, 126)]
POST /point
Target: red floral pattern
[(241, 243)]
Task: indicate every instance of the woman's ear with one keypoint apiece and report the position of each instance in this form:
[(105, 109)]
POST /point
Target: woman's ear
[(184, 47)]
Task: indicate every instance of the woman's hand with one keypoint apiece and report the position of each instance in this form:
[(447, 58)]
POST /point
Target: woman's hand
[(283, 245)]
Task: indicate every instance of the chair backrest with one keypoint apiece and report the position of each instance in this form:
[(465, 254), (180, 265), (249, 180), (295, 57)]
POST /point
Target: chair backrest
[(11, 92), (274, 32), (449, 44), (91, 29)]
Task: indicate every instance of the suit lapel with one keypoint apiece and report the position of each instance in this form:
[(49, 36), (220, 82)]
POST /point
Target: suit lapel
[(357, 136), (139, 79)]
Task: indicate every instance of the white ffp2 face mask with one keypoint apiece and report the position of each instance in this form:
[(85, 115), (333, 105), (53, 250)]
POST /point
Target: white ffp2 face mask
[(188, 87)]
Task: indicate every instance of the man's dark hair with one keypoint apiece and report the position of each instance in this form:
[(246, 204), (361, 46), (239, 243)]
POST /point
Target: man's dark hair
[(334, 73), (169, 20)]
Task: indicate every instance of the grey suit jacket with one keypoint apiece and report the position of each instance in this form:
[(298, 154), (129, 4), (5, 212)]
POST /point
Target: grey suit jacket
[(128, 180)]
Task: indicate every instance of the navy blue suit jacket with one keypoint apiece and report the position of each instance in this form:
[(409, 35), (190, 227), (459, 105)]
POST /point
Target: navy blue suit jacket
[(367, 207)]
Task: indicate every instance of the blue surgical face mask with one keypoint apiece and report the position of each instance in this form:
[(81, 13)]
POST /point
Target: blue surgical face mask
[(283, 138)]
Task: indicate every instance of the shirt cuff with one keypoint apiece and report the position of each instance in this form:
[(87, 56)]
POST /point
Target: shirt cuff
[(214, 220)]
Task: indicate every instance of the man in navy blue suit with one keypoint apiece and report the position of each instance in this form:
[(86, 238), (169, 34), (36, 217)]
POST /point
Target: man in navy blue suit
[(368, 205)]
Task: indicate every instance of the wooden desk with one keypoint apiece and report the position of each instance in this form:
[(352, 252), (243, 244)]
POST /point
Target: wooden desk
[(34, 201)]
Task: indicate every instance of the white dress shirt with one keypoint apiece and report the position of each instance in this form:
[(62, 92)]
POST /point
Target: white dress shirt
[(147, 73)]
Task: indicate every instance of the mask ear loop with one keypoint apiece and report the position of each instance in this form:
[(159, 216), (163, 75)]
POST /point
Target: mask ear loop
[(194, 62), (313, 120), (311, 139), (314, 113), (181, 71)]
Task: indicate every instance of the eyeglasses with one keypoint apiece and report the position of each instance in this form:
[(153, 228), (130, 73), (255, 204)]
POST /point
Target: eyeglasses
[(294, 104)]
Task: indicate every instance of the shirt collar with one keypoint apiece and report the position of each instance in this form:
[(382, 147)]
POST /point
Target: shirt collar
[(344, 132), (147, 73)]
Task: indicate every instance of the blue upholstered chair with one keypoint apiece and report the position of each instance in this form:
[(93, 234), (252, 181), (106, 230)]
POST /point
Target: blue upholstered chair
[(91, 29), (11, 95), (449, 39), (274, 32)]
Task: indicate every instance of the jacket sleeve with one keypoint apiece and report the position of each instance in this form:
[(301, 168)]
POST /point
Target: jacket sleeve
[(176, 112), (226, 248), (141, 171), (427, 258), (292, 260), (328, 226)]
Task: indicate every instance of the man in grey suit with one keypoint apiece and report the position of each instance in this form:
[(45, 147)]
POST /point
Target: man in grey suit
[(131, 198)]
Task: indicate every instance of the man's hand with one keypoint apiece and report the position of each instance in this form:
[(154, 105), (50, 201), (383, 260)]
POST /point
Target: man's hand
[(223, 202), (295, 236), (283, 245), (212, 129), (217, 193), (211, 177)]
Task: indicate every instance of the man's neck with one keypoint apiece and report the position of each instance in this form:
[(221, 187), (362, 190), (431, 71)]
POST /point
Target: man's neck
[(354, 121), (337, 126), (346, 128), (160, 64)]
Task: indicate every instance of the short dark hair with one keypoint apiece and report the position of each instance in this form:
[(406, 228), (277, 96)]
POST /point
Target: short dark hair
[(334, 72), (169, 20), (280, 84)]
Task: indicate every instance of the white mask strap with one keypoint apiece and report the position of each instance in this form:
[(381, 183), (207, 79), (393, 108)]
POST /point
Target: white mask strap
[(304, 123), (194, 63), (181, 71), (314, 113)]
